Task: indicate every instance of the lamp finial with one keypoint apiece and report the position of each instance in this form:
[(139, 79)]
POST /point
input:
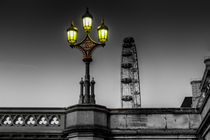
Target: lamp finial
[(72, 23), (102, 21)]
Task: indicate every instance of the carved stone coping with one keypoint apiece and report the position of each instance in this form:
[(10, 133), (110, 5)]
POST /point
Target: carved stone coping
[(31, 110), (154, 132), (155, 111), (87, 107)]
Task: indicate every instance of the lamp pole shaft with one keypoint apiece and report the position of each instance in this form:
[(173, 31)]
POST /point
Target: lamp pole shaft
[(81, 97), (87, 80)]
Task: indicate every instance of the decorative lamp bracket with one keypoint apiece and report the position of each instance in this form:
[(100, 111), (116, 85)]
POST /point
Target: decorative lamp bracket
[(87, 46)]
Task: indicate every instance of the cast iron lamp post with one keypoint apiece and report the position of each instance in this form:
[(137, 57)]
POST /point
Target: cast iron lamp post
[(87, 46)]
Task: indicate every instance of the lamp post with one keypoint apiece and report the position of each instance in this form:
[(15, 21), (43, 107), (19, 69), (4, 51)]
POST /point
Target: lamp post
[(87, 46)]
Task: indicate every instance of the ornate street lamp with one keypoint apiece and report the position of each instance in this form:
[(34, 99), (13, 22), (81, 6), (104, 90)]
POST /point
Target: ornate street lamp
[(87, 46)]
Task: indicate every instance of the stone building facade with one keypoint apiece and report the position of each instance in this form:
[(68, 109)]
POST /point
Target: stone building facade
[(96, 122), (196, 92)]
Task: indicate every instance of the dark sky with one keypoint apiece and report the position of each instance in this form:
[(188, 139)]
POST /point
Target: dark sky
[(37, 68)]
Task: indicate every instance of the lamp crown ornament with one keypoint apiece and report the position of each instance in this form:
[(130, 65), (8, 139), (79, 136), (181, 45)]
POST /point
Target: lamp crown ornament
[(87, 13), (87, 46), (102, 25)]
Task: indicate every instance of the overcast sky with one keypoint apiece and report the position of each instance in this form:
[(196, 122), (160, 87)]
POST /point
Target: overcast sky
[(38, 69)]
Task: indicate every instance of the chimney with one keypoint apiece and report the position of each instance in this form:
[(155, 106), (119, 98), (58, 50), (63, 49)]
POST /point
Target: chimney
[(196, 92)]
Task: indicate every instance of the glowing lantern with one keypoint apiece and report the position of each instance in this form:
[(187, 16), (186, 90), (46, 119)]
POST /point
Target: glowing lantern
[(72, 33), (102, 32), (87, 20)]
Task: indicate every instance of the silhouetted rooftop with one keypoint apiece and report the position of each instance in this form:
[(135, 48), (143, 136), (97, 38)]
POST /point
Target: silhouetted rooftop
[(187, 102)]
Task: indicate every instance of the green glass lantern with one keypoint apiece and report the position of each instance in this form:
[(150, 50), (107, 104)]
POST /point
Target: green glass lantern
[(72, 33), (102, 32), (87, 20)]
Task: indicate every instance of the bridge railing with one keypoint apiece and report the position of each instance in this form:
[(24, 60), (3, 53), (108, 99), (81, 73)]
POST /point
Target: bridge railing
[(32, 119)]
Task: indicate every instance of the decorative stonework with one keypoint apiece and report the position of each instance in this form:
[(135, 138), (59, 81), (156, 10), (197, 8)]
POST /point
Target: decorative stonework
[(29, 120)]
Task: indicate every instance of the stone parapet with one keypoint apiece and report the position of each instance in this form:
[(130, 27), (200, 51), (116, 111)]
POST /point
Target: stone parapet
[(164, 122), (35, 123), (95, 122), (87, 122)]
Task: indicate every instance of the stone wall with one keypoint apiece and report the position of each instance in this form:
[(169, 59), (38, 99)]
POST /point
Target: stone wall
[(95, 122), (154, 123), (196, 92)]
